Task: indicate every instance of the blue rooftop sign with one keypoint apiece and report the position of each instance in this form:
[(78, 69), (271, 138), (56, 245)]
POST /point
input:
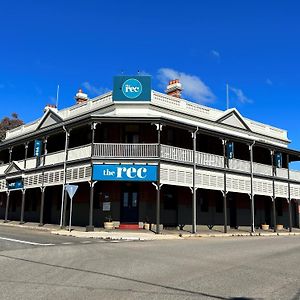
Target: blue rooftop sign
[(124, 172), (132, 88)]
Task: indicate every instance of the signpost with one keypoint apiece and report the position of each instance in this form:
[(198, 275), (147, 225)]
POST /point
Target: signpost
[(71, 189)]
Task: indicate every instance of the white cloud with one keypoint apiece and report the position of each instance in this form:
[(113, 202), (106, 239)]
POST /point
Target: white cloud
[(143, 73), (240, 96), (215, 53), (193, 87), (269, 81), (93, 89)]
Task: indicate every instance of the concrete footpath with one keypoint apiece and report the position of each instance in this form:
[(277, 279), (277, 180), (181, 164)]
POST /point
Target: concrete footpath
[(144, 235)]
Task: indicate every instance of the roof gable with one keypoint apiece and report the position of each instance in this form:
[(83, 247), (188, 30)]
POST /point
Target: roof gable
[(233, 118), (12, 168), (49, 118)]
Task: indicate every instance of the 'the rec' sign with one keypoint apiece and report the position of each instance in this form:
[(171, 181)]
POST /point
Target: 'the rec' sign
[(124, 172)]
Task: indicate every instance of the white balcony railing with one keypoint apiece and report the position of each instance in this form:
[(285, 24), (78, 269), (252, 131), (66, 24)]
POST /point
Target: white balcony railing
[(295, 175), (239, 165), (79, 152), (125, 150), (54, 158), (280, 172), (177, 154), (211, 160), (262, 169), (118, 150)]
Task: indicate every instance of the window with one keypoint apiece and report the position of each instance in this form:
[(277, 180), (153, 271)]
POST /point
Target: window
[(169, 202), (279, 207), (219, 205), (204, 204)]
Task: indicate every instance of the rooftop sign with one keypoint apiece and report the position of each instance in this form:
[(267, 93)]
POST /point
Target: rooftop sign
[(132, 88)]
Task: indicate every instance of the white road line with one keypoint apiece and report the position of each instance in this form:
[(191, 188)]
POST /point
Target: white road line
[(67, 243), (25, 242), (85, 242)]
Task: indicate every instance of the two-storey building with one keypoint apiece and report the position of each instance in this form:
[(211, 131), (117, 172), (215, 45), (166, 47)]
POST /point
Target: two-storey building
[(139, 156)]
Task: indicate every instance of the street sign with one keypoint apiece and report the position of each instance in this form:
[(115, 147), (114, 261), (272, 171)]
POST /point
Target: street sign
[(71, 189)]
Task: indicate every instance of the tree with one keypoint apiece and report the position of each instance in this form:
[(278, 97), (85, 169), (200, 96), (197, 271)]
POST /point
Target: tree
[(9, 123)]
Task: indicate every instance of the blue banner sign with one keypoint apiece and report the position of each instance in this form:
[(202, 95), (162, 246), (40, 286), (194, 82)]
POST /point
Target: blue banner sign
[(230, 150), (124, 173), (132, 88), (37, 148), (278, 160), (17, 184)]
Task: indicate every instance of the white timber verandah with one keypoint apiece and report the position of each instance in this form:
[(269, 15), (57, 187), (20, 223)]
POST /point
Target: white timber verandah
[(178, 167), (209, 174)]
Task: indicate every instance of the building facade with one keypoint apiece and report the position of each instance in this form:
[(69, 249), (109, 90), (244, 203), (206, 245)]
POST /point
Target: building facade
[(139, 156)]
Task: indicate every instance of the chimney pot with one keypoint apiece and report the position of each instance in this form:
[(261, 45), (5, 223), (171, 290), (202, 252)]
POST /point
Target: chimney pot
[(81, 97), (174, 88), (48, 106)]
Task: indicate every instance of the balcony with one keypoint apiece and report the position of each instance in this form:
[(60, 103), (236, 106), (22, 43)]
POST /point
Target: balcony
[(150, 151), (181, 155), (125, 150)]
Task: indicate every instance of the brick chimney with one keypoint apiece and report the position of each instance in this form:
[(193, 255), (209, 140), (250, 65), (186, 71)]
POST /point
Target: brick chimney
[(81, 97), (174, 88), (52, 106)]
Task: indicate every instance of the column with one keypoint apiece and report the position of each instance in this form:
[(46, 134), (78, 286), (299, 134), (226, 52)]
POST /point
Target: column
[(42, 206), (93, 128), (90, 227), (194, 191), (158, 188), (26, 155), (45, 141), (10, 154), (23, 206), (64, 192), (7, 206), (289, 195), (251, 186), (273, 196), (224, 192)]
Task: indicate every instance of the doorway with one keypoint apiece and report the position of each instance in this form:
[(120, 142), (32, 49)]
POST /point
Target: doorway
[(233, 211), (129, 204)]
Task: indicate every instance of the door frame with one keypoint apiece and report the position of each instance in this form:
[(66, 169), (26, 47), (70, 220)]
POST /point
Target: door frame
[(128, 187)]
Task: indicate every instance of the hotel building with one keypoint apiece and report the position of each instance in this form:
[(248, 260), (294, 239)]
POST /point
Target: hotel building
[(139, 156)]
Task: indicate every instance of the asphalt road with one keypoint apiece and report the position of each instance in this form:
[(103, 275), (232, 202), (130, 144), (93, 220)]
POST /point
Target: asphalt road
[(57, 267)]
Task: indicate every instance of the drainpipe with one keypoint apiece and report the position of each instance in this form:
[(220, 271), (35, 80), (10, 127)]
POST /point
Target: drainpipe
[(63, 196), (289, 195), (274, 195), (251, 185), (224, 192), (194, 207)]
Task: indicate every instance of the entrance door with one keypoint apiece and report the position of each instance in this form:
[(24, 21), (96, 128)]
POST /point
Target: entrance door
[(233, 211), (129, 206), (268, 211)]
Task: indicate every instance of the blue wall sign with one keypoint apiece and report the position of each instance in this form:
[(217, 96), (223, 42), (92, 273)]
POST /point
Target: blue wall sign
[(17, 184), (278, 160), (230, 150), (132, 88), (125, 172), (37, 148)]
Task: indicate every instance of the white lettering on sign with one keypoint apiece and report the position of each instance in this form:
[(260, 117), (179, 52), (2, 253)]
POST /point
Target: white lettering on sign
[(129, 88), (125, 172)]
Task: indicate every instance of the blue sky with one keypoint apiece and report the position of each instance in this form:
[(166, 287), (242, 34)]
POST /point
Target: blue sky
[(252, 45)]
